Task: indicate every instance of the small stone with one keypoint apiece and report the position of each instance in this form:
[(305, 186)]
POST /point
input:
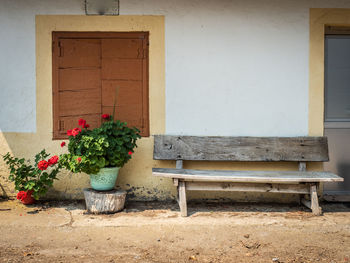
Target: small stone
[(246, 235), (276, 260)]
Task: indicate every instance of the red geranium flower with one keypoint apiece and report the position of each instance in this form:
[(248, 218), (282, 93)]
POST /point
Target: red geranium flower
[(69, 133), (63, 144), (21, 195), (76, 131), (25, 197), (105, 116), (53, 160), (86, 126), (42, 165), (130, 152), (78, 159), (81, 122)]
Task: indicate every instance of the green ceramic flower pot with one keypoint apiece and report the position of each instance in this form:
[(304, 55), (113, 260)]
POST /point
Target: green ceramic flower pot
[(105, 179)]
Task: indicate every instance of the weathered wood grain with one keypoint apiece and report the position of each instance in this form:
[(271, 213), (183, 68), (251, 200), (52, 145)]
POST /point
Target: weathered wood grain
[(104, 202), (182, 198), (316, 209), (196, 148), (247, 176), (249, 187), (179, 164), (302, 166)]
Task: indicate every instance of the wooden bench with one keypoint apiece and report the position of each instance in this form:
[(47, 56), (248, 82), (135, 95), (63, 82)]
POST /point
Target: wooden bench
[(245, 149)]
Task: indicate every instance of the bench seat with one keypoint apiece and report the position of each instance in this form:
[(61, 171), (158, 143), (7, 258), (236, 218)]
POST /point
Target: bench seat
[(245, 149), (247, 176)]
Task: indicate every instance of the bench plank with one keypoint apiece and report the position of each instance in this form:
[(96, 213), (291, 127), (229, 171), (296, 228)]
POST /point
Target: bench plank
[(214, 148), (249, 187), (247, 176)]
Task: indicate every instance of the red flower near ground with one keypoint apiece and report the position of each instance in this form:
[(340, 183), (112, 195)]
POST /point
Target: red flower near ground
[(105, 116), (25, 197), (130, 152), (76, 131), (69, 132), (53, 160), (42, 165), (78, 159), (21, 195), (82, 122), (86, 126), (63, 144)]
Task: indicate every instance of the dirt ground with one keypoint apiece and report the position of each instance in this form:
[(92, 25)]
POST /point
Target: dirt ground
[(155, 232)]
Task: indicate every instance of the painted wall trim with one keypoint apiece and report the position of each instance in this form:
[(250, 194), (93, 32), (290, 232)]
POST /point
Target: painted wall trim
[(319, 18)]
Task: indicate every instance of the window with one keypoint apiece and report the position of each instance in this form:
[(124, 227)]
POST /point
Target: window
[(88, 68)]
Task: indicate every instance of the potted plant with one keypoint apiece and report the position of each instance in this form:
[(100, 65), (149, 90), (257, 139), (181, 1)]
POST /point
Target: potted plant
[(100, 152), (32, 181)]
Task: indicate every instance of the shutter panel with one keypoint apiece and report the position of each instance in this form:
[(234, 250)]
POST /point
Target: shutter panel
[(78, 93), (129, 101), (79, 53), (123, 68), (87, 69)]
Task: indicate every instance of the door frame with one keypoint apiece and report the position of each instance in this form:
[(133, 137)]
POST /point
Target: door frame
[(319, 20)]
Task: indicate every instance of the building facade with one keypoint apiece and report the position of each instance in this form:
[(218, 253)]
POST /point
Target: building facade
[(219, 68)]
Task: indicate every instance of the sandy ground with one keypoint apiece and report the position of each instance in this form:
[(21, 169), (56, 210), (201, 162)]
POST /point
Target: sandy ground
[(155, 232)]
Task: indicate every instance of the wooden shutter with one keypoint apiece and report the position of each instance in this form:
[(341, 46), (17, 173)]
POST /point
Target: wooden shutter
[(87, 70)]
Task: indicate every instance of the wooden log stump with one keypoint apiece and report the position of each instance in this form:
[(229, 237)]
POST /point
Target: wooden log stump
[(104, 202)]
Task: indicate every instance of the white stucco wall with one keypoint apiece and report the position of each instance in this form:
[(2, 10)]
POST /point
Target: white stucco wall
[(17, 58), (233, 67)]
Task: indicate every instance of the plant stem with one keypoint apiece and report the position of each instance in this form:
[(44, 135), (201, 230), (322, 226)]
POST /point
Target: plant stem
[(115, 101)]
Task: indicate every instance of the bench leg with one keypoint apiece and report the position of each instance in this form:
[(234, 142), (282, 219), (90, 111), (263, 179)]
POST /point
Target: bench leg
[(316, 209), (313, 202), (182, 198)]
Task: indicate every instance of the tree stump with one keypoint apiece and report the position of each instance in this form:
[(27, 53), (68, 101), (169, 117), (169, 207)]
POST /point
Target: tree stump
[(99, 202)]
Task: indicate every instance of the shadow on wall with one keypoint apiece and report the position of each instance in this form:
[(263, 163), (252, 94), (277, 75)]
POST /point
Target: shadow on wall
[(343, 169), (24, 145), (3, 193), (136, 177)]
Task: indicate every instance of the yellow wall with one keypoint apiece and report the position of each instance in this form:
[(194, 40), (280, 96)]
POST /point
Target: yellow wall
[(136, 175)]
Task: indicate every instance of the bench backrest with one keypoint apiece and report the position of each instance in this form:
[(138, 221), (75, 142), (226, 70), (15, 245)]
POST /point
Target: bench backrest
[(197, 148)]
